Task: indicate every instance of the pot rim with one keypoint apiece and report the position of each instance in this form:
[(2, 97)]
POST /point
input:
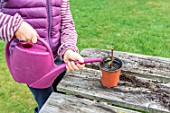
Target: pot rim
[(115, 58)]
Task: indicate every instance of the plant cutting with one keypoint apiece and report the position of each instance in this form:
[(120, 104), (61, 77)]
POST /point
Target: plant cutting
[(111, 69)]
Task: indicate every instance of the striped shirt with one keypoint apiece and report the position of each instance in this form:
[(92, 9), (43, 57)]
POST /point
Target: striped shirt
[(10, 24)]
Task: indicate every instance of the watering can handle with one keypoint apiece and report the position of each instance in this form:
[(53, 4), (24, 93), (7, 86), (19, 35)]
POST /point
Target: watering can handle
[(89, 60), (46, 45), (86, 60), (7, 52)]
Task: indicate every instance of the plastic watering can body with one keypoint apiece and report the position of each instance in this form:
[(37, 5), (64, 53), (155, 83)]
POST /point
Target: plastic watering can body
[(33, 64), (29, 62)]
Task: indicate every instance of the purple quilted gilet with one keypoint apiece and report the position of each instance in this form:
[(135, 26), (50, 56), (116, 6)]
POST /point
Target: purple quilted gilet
[(42, 15)]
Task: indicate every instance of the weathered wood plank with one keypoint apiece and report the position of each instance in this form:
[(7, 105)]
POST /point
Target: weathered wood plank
[(157, 68), (61, 103), (133, 92)]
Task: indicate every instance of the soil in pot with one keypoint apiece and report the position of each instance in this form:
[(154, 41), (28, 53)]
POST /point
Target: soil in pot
[(116, 65)]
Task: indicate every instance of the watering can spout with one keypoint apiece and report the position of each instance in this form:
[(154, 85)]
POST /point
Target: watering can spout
[(49, 78)]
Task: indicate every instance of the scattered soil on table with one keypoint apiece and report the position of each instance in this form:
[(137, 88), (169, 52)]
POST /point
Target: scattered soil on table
[(134, 82), (160, 93)]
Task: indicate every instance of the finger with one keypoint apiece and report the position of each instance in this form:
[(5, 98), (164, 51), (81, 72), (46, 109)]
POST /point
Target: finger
[(73, 65), (66, 60), (36, 34), (80, 58), (80, 66), (29, 41), (69, 66), (22, 38), (28, 37), (34, 39)]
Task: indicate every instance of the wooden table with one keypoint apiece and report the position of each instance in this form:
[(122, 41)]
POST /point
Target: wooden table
[(136, 92), (61, 103)]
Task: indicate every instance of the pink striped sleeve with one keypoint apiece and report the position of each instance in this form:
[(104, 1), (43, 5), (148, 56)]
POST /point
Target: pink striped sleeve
[(68, 32), (8, 25)]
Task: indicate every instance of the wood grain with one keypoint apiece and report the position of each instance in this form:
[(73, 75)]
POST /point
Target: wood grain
[(60, 103), (86, 83)]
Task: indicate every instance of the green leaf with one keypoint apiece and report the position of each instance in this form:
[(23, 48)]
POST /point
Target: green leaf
[(107, 59)]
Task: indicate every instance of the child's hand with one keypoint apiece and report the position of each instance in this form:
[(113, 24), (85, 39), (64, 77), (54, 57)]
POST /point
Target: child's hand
[(26, 33), (69, 57)]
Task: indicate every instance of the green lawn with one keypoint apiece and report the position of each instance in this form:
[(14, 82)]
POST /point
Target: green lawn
[(138, 26)]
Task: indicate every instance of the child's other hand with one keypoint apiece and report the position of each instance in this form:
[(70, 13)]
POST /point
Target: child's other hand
[(69, 57), (26, 33)]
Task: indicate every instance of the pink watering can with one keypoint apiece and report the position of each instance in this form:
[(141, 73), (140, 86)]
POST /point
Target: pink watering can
[(33, 64)]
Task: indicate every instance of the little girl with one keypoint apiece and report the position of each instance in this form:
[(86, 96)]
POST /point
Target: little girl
[(48, 19)]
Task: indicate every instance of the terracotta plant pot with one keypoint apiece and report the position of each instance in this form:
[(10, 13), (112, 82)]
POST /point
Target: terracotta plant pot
[(110, 76)]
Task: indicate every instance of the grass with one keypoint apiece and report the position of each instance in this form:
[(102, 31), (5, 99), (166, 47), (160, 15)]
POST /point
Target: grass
[(137, 26), (14, 98)]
